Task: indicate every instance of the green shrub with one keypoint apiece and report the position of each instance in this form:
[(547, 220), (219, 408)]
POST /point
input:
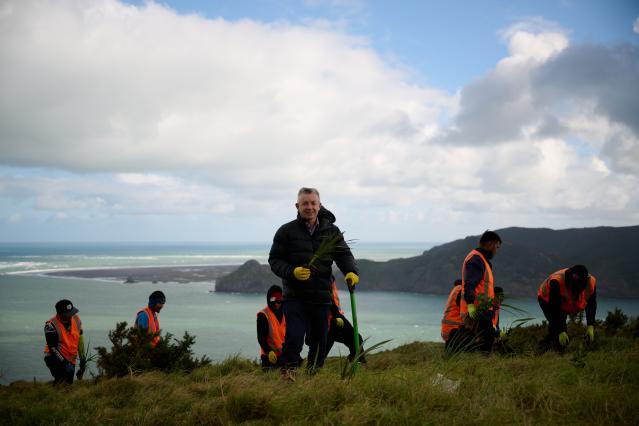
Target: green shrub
[(132, 353), (615, 321)]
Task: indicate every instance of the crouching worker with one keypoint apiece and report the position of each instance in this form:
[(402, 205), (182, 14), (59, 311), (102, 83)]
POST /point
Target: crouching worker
[(340, 329), (147, 318), (271, 328), (452, 320), (63, 335), (567, 292)]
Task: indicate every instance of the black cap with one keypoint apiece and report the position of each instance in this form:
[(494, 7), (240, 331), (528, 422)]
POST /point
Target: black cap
[(65, 307)]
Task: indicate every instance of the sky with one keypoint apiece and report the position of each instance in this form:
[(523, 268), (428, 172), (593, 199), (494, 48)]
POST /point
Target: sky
[(192, 121)]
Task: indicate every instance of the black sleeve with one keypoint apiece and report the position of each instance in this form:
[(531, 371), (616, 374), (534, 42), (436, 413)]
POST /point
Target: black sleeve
[(51, 335), (262, 333), (473, 274), (344, 257), (591, 308), (277, 257)]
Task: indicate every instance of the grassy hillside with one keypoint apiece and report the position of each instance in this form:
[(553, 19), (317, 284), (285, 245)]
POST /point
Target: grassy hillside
[(413, 384)]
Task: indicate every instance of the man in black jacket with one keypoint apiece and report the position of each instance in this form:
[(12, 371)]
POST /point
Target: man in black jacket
[(307, 278)]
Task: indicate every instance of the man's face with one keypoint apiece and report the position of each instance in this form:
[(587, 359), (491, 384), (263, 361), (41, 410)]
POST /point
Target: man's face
[(65, 318), (308, 206), (158, 307), (493, 246)]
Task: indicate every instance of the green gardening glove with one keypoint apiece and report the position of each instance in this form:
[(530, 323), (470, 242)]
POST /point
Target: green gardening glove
[(339, 323), (590, 333), (563, 338), (301, 273), (472, 311), (272, 358)]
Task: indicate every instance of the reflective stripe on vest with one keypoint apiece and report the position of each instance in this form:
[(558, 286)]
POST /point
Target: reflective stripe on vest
[(154, 324), (485, 286), (276, 331), (67, 340), (569, 305), (451, 319)]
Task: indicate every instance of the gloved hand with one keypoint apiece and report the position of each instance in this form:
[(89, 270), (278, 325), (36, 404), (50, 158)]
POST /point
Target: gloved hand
[(69, 368), (339, 323), (352, 277), (272, 358), (502, 335), (472, 311), (301, 273), (590, 333), (563, 338)]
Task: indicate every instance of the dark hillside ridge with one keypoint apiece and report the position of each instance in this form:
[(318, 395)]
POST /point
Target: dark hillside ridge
[(526, 258)]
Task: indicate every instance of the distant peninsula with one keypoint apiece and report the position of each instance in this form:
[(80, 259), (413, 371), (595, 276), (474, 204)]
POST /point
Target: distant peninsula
[(527, 256)]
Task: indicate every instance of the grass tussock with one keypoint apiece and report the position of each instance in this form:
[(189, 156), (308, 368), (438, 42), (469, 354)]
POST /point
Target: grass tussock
[(413, 384)]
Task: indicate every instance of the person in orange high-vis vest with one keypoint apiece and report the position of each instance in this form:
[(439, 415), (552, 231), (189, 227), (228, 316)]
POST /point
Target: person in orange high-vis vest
[(567, 292), (147, 317), (452, 320), (340, 329), (63, 334), (478, 289), (271, 328)]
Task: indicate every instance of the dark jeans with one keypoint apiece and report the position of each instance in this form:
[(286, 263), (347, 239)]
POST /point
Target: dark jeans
[(555, 317), (301, 317), (474, 335), (62, 371), (344, 335)]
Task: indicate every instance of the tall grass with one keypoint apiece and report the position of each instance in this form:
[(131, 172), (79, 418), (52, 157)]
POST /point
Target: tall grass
[(412, 384)]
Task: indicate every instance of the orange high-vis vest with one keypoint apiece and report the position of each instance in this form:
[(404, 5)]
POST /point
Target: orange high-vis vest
[(335, 295), (276, 331), (451, 319), (485, 286), (154, 324), (67, 340), (569, 305)]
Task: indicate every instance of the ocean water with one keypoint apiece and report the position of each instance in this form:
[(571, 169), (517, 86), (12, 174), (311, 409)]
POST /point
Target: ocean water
[(223, 323)]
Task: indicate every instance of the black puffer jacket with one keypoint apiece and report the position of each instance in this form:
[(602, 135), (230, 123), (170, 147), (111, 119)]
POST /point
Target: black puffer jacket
[(294, 246)]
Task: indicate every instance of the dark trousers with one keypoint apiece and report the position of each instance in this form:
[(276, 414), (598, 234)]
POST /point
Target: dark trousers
[(303, 318), (344, 335), (556, 320), (477, 334), (62, 371)]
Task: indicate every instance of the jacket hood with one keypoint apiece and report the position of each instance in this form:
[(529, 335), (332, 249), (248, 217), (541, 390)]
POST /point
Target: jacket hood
[(326, 214)]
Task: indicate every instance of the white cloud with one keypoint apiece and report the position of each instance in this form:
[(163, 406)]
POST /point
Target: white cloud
[(231, 118), (635, 25)]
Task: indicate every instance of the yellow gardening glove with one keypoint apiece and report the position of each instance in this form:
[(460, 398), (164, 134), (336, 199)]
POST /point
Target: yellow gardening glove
[(502, 335), (339, 323), (272, 358), (472, 311), (302, 273), (563, 338), (590, 333), (352, 276)]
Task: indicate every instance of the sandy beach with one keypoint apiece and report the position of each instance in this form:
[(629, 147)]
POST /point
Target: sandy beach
[(180, 274)]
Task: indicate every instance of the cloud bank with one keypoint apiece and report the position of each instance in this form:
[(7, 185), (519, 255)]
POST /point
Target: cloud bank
[(153, 112)]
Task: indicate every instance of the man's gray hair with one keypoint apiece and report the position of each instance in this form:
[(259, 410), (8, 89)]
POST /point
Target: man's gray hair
[(305, 190)]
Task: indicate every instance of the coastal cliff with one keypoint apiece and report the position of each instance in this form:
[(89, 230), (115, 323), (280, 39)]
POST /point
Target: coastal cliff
[(526, 258)]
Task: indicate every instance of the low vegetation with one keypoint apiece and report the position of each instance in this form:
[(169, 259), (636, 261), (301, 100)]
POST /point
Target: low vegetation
[(411, 384)]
